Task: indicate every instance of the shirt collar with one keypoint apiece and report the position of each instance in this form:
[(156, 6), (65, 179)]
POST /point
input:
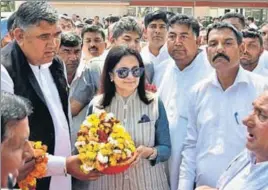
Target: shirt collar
[(241, 77), (162, 49), (258, 68), (40, 67), (194, 62), (252, 161), (133, 95)]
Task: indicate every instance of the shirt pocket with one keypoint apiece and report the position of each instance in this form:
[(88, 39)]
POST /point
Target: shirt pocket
[(145, 134)]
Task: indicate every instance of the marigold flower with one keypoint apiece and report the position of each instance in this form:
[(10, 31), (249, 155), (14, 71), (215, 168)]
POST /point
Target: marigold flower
[(40, 155), (103, 142)]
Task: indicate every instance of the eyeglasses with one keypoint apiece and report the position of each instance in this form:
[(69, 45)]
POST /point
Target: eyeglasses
[(123, 72)]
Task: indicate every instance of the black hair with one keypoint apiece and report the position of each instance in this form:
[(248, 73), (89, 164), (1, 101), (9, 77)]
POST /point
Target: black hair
[(93, 29), (240, 17), (252, 33), (169, 14), (70, 39), (88, 21), (108, 87), (251, 19), (13, 108), (223, 25), (112, 19), (33, 12), (156, 15), (10, 21), (126, 24), (189, 21)]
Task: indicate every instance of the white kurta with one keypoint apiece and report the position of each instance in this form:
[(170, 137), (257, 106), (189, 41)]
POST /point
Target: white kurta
[(173, 91)]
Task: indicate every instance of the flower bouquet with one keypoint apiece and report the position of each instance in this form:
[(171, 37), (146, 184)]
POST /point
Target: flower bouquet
[(41, 159), (104, 144)]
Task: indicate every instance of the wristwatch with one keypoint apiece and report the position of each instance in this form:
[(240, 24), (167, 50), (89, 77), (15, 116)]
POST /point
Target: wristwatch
[(153, 155)]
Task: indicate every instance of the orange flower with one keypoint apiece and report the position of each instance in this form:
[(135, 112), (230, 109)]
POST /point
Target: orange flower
[(39, 171)]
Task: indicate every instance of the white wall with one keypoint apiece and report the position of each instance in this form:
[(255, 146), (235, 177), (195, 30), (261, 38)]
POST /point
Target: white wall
[(91, 10)]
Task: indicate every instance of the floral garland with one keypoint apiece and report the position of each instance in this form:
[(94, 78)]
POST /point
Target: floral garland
[(41, 159), (103, 143)]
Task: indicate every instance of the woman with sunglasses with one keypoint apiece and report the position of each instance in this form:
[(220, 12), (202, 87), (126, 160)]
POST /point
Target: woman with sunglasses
[(144, 117)]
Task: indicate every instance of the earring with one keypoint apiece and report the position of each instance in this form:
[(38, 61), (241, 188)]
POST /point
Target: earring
[(112, 80)]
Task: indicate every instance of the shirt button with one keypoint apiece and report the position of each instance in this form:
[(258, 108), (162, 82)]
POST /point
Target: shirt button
[(125, 107), (126, 177), (125, 120)]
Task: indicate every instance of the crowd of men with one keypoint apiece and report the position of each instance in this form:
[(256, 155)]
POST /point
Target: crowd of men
[(209, 79)]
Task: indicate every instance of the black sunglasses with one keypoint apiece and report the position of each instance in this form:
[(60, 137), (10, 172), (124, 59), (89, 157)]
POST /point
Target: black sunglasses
[(123, 72)]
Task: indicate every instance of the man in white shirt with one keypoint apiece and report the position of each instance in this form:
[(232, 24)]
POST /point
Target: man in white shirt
[(216, 107), (264, 33), (156, 33), (34, 72), (187, 66), (249, 169), (156, 28), (251, 23), (253, 49)]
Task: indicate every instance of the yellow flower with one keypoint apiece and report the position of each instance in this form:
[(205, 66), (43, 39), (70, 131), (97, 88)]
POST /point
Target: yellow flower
[(93, 130), (113, 160), (91, 155), (82, 156), (93, 119), (124, 156), (106, 152), (120, 146), (81, 138), (118, 128), (38, 145)]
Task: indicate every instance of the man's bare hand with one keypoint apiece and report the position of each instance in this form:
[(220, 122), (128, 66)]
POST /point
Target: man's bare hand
[(73, 168), (27, 168)]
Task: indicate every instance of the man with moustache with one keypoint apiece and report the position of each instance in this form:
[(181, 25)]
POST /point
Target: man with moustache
[(249, 169), (70, 53), (93, 45), (38, 75), (187, 66), (216, 107), (253, 48), (264, 33)]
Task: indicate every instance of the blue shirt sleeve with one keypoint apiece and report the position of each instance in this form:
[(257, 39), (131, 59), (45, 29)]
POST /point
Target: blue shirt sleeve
[(162, 136)]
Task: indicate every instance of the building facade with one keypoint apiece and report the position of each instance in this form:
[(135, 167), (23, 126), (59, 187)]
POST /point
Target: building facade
[(138, 8)]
